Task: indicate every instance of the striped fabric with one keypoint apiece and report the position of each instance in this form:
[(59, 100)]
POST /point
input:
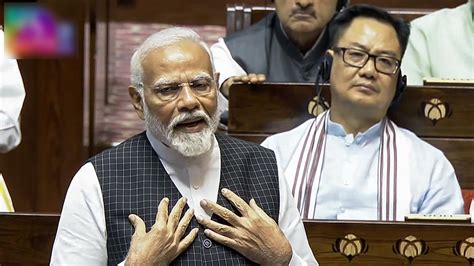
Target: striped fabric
[(310, 165), (133, 180)]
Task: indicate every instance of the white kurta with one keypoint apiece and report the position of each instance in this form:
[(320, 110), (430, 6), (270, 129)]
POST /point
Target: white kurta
[(12, 94), (441, 45), (347, 185), (82, 236)]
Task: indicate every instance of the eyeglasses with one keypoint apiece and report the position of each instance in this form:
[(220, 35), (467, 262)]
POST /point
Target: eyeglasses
[(170, 91), (358, 58)]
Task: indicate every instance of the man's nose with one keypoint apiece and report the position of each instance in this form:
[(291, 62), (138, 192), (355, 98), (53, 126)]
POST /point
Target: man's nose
[(304, 3), (368, 70), (186, 99)]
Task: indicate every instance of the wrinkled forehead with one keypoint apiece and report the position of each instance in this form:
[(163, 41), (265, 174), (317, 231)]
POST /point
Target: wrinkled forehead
[(181, 58)]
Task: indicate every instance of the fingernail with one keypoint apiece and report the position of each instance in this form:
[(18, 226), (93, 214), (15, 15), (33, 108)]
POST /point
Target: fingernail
[(207, 231), (131, 217), (203, 203), (166, 200), (224, 190), (199, 218)]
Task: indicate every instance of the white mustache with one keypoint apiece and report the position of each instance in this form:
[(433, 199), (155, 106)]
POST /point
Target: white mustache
[(187, 116)]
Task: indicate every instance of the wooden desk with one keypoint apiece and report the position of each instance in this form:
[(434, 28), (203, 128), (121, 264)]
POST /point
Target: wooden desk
[(384, 243), (27, 238)]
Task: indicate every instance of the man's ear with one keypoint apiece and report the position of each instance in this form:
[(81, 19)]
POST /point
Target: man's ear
[(136, 101), (330, 52)]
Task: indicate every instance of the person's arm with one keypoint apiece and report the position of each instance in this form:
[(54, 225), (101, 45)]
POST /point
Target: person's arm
[(292, 226), (229, 70), (444, 195), (12, 94), (81, 237), (224, 63)]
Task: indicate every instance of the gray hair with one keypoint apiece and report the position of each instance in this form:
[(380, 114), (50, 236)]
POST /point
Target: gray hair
[(160, 39)]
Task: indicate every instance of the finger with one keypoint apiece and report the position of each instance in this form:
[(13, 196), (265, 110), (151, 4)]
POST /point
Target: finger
[(184, 244), (244, 78), (261, 78), (253, 78), (224, 213), (138, 224), (162, 214), (237, 201), (183, 224), (219, 228), (259, 210), (176, 212), (226, 241)]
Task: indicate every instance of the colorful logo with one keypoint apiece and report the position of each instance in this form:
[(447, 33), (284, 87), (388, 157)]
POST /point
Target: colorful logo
[(32, 31)]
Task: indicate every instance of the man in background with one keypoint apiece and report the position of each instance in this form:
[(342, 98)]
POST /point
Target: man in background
[(285, 46), (352, 162), (441, 45)]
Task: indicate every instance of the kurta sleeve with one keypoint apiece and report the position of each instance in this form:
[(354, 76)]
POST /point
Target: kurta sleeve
[(12, 94), (81, 237)]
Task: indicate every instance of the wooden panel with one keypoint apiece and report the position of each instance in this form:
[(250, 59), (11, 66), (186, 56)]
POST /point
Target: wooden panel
[(27, 238), (380, 239), (460, 152), (410, 113), (276, 107), (268, 108), (38, 172)]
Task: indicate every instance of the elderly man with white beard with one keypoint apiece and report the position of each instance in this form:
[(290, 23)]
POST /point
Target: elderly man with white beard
[(237, 207)]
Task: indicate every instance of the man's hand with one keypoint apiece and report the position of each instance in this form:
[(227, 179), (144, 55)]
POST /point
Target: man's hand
[(251, 78), (254, 234), (162, 244)]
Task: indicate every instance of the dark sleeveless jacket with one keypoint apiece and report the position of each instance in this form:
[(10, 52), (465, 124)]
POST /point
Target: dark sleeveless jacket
[(133, 180), (263, 48)]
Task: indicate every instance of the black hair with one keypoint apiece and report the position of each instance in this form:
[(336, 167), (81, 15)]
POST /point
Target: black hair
[(344, 18), (341, 4)]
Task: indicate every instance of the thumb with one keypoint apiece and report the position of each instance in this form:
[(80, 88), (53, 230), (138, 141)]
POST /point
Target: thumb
[(138, 224)]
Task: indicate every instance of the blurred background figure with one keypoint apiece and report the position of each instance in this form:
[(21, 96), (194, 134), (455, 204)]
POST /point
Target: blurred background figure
[(12, 94), (441, 45)]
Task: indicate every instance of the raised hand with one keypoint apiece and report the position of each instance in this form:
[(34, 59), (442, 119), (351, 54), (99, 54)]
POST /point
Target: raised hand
[(163, 243), (251, 78), (254, 234)]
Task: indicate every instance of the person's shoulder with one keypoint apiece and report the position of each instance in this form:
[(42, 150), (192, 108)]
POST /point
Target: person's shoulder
[(235, 143), (125, 146), (285, 137), (438, 18), (257, 30), (422, 148)]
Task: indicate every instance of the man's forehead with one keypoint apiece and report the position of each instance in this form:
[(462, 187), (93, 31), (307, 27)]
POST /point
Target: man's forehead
[(372, 35), (173, 64)]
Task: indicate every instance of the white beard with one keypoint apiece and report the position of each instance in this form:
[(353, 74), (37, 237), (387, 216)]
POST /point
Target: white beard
[(188, 144)]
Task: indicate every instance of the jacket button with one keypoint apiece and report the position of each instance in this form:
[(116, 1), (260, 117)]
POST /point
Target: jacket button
[(207, 243)]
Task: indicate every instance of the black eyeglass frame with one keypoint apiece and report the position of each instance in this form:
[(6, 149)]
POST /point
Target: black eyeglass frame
[(369, 56)]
